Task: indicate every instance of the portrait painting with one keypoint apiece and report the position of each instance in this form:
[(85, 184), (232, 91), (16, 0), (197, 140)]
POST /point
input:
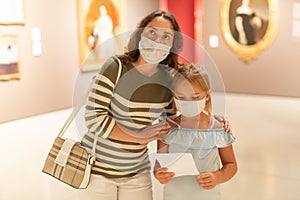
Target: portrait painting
[(9, 57), (249, 26), (99, 22), (248, 20)]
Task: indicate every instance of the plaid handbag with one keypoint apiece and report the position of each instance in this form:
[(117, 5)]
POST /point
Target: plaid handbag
[(69, 161)]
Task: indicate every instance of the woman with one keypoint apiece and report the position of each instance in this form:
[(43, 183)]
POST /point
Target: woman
[(119, 115)]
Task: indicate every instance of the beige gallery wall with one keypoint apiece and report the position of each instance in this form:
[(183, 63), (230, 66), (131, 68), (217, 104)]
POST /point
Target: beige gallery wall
[(47, 81), (274, 72)]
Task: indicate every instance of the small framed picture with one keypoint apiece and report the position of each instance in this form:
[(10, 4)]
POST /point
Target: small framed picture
[(9, 57), (12, 12)]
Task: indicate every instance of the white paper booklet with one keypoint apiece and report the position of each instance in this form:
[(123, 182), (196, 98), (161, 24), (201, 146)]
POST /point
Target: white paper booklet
[(179, 163)]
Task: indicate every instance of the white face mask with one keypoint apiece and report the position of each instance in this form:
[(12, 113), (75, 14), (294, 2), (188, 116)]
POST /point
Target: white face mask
[(190, 108), (153, 52)]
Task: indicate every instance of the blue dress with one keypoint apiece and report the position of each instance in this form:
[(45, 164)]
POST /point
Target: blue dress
[(203, 145)]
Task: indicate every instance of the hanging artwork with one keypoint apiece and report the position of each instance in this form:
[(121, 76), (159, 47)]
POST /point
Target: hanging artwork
[(11, 12), (99, 22), (9, 57), (249, 26)]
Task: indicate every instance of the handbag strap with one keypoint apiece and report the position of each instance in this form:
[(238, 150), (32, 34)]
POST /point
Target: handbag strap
[(76, 109)]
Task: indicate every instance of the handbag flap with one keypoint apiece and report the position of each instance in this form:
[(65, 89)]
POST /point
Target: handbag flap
[(64, 152)]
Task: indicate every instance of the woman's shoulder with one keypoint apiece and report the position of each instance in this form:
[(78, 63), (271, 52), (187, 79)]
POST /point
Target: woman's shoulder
[(165, 71), (110, 68), (111, 64)]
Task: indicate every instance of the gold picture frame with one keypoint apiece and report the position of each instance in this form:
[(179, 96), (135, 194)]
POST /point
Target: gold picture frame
[(12, 12), (99, 21), (9, 57), (249, 31)]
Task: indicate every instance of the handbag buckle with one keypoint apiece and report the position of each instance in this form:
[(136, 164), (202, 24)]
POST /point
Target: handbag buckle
[(92, 159)]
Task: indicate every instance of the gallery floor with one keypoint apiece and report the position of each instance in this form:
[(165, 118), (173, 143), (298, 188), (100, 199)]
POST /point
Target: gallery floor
[(267, 149)]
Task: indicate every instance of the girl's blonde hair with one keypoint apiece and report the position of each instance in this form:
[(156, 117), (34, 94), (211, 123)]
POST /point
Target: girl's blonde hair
[(197, 76)]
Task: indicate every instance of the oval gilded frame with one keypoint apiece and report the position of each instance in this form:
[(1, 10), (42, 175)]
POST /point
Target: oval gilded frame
[(248, 52)]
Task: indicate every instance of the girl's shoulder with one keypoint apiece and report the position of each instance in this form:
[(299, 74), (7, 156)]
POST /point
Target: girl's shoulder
[(174, 122), (216, 124)]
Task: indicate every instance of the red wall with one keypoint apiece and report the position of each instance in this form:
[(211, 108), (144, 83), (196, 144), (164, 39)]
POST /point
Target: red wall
[(183, 10), (188, 13)]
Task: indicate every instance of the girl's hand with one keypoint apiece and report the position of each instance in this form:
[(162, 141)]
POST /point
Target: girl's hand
[(207, 180), (225, 123), (163, 176)]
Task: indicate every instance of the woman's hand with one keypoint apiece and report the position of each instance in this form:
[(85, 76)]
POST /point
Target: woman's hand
[(149, 133), (225, 123), (144, 136), (154, 130), (207, 180), (163, 176), (148, 140)]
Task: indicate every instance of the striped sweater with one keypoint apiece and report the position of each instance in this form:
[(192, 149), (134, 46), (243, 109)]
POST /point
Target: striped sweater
[(134, 102)]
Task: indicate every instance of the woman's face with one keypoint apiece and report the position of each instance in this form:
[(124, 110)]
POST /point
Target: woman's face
[(160, 30)]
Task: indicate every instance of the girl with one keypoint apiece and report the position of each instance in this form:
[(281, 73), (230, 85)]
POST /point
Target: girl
[(197, 132)]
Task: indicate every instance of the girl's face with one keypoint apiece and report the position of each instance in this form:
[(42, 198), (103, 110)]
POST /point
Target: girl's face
[(187, 91), (160, 30)]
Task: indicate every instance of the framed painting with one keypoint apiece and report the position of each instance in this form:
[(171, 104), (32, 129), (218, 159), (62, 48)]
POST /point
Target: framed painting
[(12, 12), (9, 57), (249, 26), (99, 22)]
